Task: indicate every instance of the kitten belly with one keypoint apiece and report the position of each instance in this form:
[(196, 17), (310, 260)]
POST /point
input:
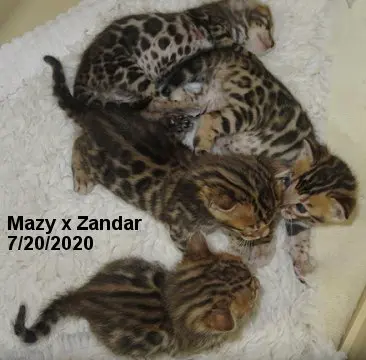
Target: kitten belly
[(247, 143), (253, 143)]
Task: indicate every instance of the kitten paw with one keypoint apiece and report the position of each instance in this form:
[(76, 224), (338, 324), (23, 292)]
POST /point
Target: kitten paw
[(202, 142), (180, 123), (206, 135), (82, 183)]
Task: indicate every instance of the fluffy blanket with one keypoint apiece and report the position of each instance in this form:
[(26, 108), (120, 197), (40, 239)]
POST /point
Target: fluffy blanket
[(36, 183)]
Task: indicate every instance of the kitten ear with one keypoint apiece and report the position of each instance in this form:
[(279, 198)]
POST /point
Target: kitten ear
[(219, 320), (217, 200), (262, 10), (306, 152), (338, 214), (197, 247), (342, 207)]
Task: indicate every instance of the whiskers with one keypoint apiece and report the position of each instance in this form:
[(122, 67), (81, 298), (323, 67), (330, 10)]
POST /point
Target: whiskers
[(241, 247)]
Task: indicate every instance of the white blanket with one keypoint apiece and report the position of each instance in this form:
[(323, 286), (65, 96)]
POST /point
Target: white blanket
[(35, 150)]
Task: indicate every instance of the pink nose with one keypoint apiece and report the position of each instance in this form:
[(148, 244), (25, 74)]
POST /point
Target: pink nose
[(268, 43)]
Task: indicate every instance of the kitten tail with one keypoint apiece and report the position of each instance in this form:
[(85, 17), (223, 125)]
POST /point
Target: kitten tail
[(61, 91), (42, 327)]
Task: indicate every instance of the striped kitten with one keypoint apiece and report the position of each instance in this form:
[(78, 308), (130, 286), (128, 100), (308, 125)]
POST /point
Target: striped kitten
[(134, 158), (248, 110), (138, 308)]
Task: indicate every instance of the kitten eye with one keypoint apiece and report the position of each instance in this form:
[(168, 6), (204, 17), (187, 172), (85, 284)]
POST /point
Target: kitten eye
[(259, 23), (287, 181), (301, 208)]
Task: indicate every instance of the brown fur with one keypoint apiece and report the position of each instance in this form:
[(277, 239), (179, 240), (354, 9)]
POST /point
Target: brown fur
[(141, 309), (123, 62), (135, 159), (256, 114)]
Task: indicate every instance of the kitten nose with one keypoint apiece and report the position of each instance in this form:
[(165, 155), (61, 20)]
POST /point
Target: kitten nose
[(267, 41)]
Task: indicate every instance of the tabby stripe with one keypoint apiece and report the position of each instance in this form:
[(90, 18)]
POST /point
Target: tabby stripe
[(239, 175), (212, 174), (133, 295), (187, 294), (151, 314), (241, 286), (189, 309), (225, 125), (193, 268), (191, 279), (297, 145), (145, 306), (239, 120)]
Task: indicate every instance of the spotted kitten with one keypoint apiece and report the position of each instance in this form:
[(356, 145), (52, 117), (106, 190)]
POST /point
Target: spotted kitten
[(245, 109), (152, 171), (124, 60), (139, 308)]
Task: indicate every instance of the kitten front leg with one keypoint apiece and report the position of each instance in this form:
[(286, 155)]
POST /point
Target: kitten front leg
[(81, 168), (215, 124), (160, 107), (299, 247), (179, 236)]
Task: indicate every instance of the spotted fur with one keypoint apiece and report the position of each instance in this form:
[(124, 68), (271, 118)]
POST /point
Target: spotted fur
[(246, 109), (139, 308), (122, 63), (139, 163)]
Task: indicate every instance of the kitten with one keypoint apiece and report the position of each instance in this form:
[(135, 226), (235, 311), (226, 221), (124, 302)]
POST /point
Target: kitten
[(139, 308), (136, 160), (124, 60), (246, 109)]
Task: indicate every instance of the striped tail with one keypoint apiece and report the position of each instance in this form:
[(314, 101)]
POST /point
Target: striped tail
[(59, 308), (61, 91)]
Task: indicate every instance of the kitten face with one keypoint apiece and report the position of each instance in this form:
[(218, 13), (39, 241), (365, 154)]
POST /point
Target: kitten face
[(248, 203), (225, 290), (259, 22), (319, 190)]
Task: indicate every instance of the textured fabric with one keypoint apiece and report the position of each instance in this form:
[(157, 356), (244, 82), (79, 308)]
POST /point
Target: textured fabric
[(36, 182)]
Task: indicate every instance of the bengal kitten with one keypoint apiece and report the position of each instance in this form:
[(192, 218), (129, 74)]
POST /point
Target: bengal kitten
[(138, 162), (139, 308), (122, 63), (246, 109)]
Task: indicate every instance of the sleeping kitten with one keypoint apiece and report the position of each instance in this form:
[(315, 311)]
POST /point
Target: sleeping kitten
[(138, 308), (245, 109), (136, 160), (124, 60)]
